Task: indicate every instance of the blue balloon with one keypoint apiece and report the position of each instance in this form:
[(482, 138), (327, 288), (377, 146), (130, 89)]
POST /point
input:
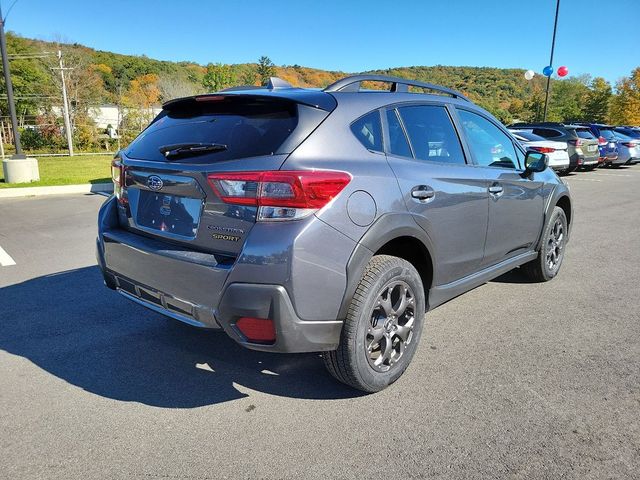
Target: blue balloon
[(547, 71)]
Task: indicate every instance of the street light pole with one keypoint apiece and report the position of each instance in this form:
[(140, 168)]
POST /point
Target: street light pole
[(553, 44), (9, 86), (19, 168)]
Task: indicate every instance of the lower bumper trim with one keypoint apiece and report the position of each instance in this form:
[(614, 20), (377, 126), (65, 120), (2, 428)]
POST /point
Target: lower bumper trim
[(163, 311)]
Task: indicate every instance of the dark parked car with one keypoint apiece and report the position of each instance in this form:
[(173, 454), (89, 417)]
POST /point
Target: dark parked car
[(299, 220), (582, 145)]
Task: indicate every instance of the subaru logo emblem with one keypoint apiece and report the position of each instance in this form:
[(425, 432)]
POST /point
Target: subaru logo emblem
[(154, 182)]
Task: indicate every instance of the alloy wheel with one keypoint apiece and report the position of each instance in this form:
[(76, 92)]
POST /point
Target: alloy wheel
[(391, 327)]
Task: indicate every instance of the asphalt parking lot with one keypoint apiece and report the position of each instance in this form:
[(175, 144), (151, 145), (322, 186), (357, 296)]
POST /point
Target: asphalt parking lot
[(511, 380)]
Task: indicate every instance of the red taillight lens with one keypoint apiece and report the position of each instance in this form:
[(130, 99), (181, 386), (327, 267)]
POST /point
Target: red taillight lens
[(543, 149), (602, 141), (280, 194), (630, 144), (576, 143), (257, 330)]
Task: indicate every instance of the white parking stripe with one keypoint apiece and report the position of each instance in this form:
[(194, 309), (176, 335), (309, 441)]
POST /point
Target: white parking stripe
[(613, 174), (5, 259), (584, 180)]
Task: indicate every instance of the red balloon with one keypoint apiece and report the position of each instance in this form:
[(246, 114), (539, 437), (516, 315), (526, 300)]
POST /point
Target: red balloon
[(562, 71)]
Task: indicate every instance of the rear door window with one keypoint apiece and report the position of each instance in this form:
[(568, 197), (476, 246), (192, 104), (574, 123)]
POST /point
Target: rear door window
[(368, 130), (237, 127), (432, 134)]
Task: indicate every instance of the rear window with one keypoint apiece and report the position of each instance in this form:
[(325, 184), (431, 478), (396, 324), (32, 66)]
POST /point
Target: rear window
[(241, 126), (547, 132), (608, 134), (528, 136), (585, 133)]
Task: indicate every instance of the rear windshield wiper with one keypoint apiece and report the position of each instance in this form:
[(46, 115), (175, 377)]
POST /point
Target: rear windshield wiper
[(187, 149)]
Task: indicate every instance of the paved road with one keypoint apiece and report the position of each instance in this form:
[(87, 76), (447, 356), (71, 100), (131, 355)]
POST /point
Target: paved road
[(512, 380)]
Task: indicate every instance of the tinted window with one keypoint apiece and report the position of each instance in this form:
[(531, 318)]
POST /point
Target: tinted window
[(608, 134), (431, 133), (527, 136), (585, 133), (547, 132), (491, 147), (398, 144), (246, 127), (368, 130)]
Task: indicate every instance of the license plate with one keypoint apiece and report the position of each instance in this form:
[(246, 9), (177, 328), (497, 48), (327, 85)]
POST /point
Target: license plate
[(591, 148), (169, 213), (612, 145)]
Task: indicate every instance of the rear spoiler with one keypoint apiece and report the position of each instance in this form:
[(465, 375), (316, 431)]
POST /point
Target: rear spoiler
[(275, 89)]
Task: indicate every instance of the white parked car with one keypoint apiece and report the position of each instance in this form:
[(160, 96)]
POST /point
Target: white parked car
[(556, 151)]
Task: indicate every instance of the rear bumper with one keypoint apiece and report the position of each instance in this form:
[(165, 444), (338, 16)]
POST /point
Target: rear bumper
[(205, 291)]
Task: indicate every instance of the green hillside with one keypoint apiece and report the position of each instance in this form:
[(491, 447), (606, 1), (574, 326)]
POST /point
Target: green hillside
[(135, 83)]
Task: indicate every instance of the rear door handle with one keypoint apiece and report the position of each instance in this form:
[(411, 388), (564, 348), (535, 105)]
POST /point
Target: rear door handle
[(422, 192), (495, 189)]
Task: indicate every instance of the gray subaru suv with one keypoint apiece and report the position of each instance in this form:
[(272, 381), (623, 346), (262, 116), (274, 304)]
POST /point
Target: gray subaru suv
[(300, 220)]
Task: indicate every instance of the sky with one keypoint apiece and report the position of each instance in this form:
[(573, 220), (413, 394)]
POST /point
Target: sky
[(595, 37)]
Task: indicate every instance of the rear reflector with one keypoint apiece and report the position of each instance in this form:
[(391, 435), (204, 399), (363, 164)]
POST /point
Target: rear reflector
[(280, 194), (257, 330)]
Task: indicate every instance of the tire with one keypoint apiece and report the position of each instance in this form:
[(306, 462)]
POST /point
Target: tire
[(370, 323), (554, 240)]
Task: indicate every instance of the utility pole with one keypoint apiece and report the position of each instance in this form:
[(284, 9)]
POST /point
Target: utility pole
[(65, 105), (553, 44), (18, 168), (9, 86)]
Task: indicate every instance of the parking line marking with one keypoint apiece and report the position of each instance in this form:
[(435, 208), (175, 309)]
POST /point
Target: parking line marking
[(613, 174), (5, 258), (584, 180)]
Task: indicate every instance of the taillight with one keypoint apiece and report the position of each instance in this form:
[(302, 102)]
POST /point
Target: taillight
[(576, 143), (257, 330), (117, 175), (280, 195), (630, 144), (602, 141), (543, 149)]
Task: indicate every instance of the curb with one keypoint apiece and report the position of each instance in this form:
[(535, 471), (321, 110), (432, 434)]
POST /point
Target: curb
[(56, 190)]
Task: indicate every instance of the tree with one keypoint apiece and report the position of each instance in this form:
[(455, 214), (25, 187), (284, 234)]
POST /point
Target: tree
[(172, 86), (266, 69), (218, 76), (625, 106), (142, 95), (596, 107), (567, 100)]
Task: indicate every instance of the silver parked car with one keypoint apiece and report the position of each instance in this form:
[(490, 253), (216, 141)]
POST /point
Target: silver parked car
[(556, 151), (628, 149), (298, 220)]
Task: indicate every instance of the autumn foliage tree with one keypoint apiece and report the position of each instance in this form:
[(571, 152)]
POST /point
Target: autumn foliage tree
[(625, 106)]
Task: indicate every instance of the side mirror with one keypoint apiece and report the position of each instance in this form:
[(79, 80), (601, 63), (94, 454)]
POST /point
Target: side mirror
[(535, 162)]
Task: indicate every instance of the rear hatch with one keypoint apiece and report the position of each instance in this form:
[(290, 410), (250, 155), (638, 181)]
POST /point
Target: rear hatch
[(588, 143), (162, 180), (608, 143)]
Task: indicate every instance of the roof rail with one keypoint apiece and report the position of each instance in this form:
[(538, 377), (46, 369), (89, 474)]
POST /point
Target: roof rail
[(398, 84), (274, 83)]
